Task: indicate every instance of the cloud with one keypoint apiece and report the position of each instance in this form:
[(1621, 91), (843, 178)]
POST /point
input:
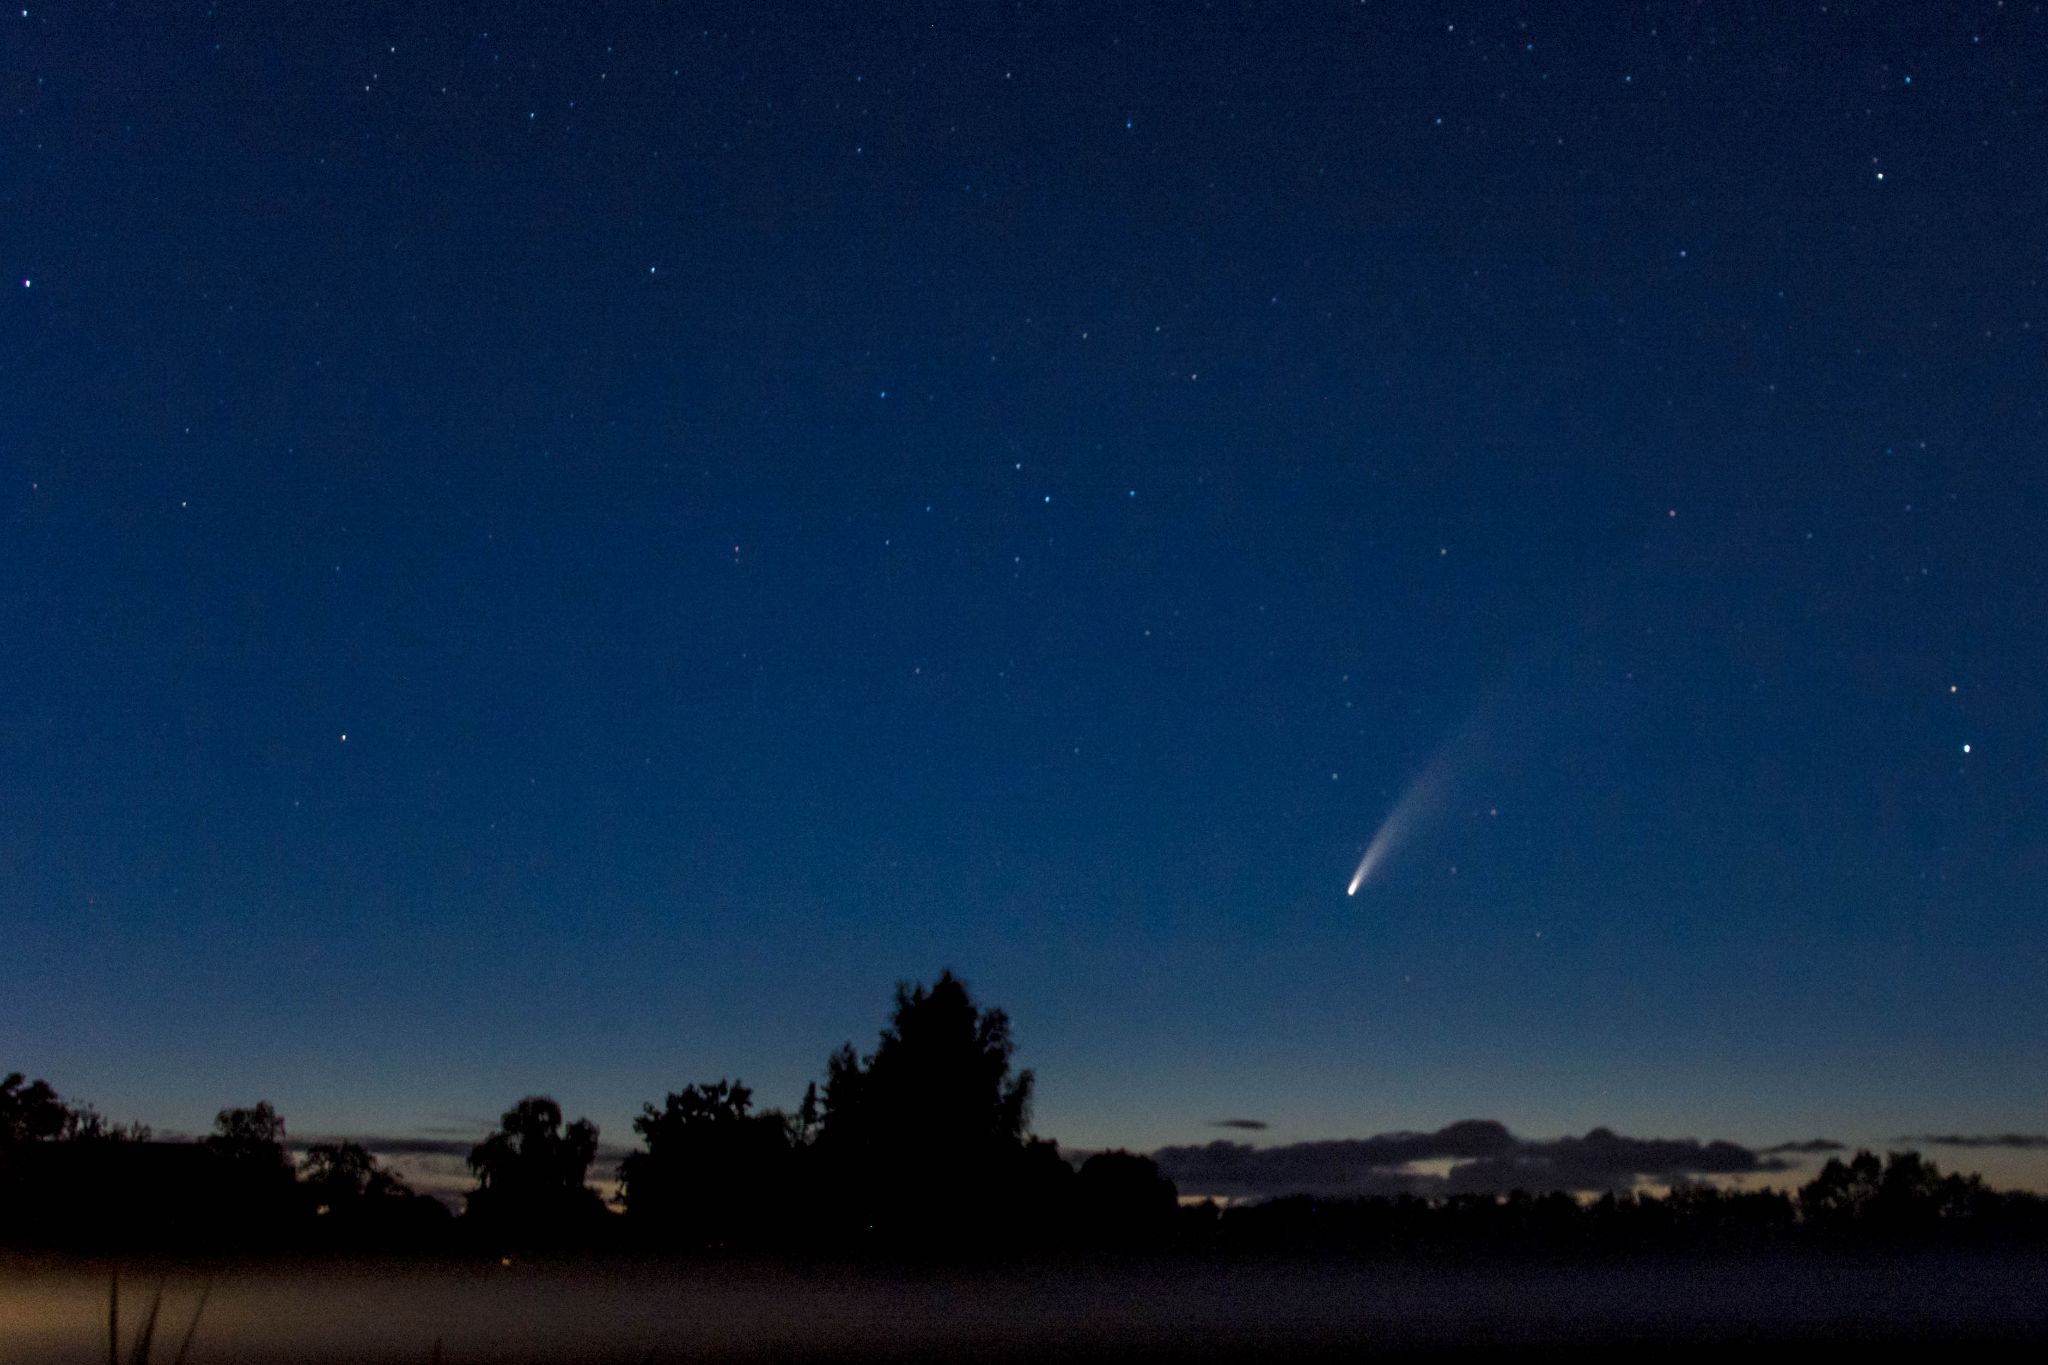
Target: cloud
[(2024, 1142), (388, 1146), (1484, 1157), (1249, 1125), (1238, 1170), (414, 1145), (1810, 1145), (457, 1125)]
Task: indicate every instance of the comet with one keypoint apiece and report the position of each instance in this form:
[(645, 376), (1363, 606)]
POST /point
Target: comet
[(1420, 802)]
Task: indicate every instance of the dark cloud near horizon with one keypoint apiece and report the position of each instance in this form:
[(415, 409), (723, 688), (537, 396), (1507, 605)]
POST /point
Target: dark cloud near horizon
[(383, 1146), (2021, 1142), (1809, 1146), (458, 1127), (1249, 1125), (457, 1149), (1486, 1157)]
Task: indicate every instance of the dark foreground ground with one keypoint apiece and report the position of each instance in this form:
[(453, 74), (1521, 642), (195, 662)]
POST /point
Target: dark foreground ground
[(55, 1311)]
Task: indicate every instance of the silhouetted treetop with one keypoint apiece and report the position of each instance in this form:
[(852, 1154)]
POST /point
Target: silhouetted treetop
[(344, 1175), (356, 1199), (713, 1171), (255, 1129), (531, 1151), (695, 1108), (530, 1172), (938, 1079), (925, 1139), (30, 1112), (1124, 1196), (87, 1124), (253, 1139), (1903, 1192)]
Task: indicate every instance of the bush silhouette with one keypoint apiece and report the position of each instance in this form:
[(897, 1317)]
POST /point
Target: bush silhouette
[(1124, 1200)]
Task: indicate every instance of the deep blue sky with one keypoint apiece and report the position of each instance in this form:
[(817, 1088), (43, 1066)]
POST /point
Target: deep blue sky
[(568, 548)]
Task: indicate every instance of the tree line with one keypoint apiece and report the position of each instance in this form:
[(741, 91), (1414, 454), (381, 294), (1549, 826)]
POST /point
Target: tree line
[(922, 1146)]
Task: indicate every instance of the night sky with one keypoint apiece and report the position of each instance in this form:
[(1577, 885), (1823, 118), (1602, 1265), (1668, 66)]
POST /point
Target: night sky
[(567, 548)]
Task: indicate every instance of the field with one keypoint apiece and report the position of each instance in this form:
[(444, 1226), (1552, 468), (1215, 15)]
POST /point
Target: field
[(54, 1311)]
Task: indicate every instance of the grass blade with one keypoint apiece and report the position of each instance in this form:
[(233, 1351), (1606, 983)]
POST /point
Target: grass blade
[(140, 1355), (205, 1292)]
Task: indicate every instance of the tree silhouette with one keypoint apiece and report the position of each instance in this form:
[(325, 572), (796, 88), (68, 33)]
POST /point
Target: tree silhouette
[(926, 1135), (1843, 1192), (922, 1146), (252, 1139), (83, 1123), (1123, 1199), (31, 1112), (1905, 1194), (356, 1200), (530, 1173), (713, 1173), (249, 1185), (939, 1077), (344, 1176)]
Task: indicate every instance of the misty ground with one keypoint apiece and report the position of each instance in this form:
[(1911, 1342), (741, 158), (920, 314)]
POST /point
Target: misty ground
[(55, 1311)]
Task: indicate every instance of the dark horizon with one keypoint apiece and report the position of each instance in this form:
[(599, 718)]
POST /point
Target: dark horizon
[(905, 1209), (1463, 1158), (923, 1148), (434, 1165)]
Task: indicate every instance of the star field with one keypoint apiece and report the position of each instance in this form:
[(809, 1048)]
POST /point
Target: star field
[(569, 548)]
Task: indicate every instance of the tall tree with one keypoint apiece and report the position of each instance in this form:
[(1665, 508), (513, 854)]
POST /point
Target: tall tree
[(928, 1133), (939, 1078), (530, 1173)]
